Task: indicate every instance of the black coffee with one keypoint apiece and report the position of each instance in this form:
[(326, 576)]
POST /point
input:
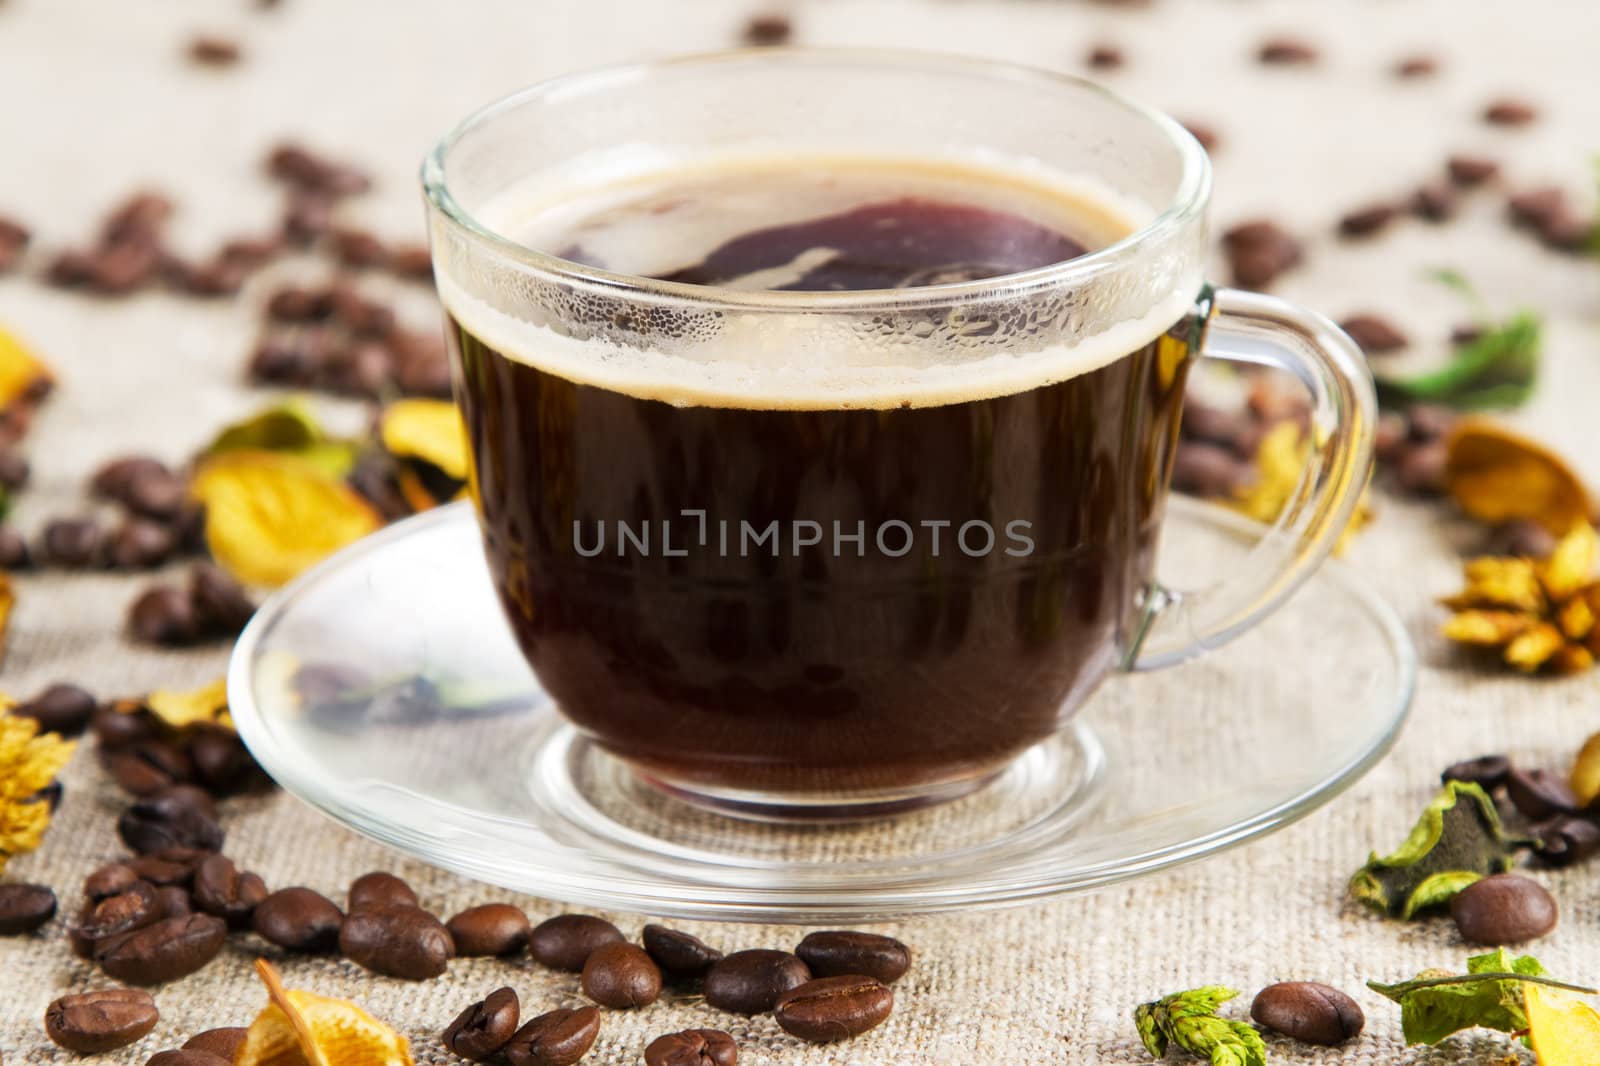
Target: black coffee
[(795, 576)]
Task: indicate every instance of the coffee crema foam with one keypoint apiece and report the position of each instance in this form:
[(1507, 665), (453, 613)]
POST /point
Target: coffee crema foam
[(654, 220)]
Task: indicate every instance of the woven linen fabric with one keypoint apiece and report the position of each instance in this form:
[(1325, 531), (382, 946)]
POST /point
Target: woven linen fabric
[(99, 100)]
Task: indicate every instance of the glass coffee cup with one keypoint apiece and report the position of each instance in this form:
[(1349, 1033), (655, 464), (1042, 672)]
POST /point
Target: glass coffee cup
[(822, 407)]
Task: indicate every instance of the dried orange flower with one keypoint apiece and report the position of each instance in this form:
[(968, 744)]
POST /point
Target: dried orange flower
[(29, 761), (1540, 613), (1563, 1029), (1279, 463), (300, 1029), (1496, 476), (429, 441), (207, 705), (270, 515)]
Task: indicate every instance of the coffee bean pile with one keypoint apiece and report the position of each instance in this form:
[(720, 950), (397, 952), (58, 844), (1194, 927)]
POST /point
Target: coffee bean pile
[(1565, 832), (833, 986)]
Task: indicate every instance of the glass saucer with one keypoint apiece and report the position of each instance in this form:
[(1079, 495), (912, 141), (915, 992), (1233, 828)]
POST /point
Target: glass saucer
[(384, 689)]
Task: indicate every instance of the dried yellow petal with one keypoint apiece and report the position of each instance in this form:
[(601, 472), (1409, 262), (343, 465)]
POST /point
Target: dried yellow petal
[(269, 515), (1496, 475), (21, 372), (1570, 566), (301, 1029), (29, 761), (1571, 659), (1280, 463), (8, 602), (1576, 618), (207, 705), (1533, 648), (1585, 776), (1496, 582), (429, 430), (1491, 629), (1564, 1030)]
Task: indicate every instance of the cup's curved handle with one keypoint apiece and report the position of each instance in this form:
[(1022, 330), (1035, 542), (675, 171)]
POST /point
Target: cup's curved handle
[(1251, 328)]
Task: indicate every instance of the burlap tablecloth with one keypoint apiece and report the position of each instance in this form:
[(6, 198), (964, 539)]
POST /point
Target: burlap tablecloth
[(98, 100)]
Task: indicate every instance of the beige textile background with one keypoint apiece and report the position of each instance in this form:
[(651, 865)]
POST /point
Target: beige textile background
[(95, 100)]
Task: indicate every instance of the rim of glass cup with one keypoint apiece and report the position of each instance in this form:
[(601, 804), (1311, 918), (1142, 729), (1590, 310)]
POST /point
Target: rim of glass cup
[(1189, 200)]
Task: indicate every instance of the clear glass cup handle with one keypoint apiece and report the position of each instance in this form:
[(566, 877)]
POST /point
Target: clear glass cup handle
[(1248, 327)]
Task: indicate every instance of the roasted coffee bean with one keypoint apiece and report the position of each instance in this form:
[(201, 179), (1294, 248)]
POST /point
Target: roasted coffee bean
[(358, 248), (768, 30), (1365, 221), (293, 304), (92, 1023), (750, 982), (1430, 421), (490, 929), (108, 880), (218, 277), (284, 361), (485, 1027), (1471, 170), (1106, 57), (70, 542), (220, 889), (379, 889), (14, 551), (1435, 201), (222, 763), (1540, 794), (138, 219), (1374, 334), (158, 494), (299, 919), (836, 953), (213, 51), (413, 261), (1488, 772), (1203, 132), (140, 544), (566, 941), (557, 1038), (135, 907), (224, 1043), (172, 866), (1390, 437), (1417, 66), (180, 1057), (1503, 909), (119, 269), (164, 615), (361, 370), (221, 604), (250, 252), (299, 166), (69, 270), (397, 941), (149, 766), (1207, 470), (1510, 112), (14, 238), (1309, 1012), (308, 217), (692, 1047), (680, 956), (1568, 840), (61, 708), (366, 317), (1521, 537), (81, 945), (173, 901), (834, 1008), (180, 816), (24, 908), (169, 949), (621, 976), (1287, 51), (14, 470), (1260, 250), (111, 481), (1420, 470)]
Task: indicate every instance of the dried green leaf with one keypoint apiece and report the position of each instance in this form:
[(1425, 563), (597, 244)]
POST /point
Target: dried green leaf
[(1458, 840), (291, 428), (1189, 1020), (1497, 370), (1437, 1003)]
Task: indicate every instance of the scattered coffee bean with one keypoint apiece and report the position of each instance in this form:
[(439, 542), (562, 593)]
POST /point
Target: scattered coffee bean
[(1259, 251), (222, 763), (108, 880), (140, 544), (379, 889), (1309, 1012), (836, 953), (768, 30), (24, 908), (1435, 201), (1106, 57), (92, 1023), (307, 172), (1510, 112), (485, 1027), (299, 919), (490, 929), (1421, 470), (1207, 470), (224, 1043), (221, 605), (834, 1008), (173, 901), (692, 1047), (134, 907), (70, 542), (1287, 51), (1522, 537), (566, 941), (1203, 132), (1540, 794), (173, 866), (308, 217), (61, 708), (1567, 840), (621, 976), (411, 261), (180, 816), (14, 470), (557, 1038), (1374, 334), (169, 949), (750, 982), (396, 940), (1488, 772), (680, 956), (1365, 221), (163, 615), (14, 551), (149, 767), (214, 51), (112, 480), (1471, 170), (1503, 909), (1417, 66), (1430, 421), (14, 238), (220, 889), (180, 1057), (292, 304)]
